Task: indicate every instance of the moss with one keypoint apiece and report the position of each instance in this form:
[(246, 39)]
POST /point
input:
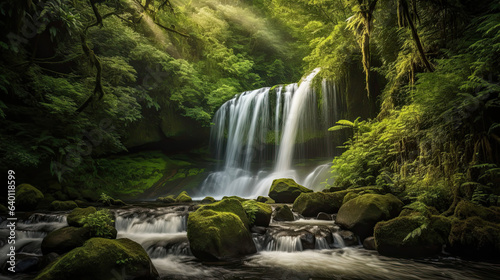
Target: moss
[(422, 240), (475, 238), (263, 214), (240, 199), (74, 218), (466, 209), (286, 190), (208, 200), (183, 197), (310, 204), (349, 196), (220, 230), (102, 259), (28, 197), (63, 205), (166, 199), (362, 213), (283, 213), (65, 239), (265, 199)]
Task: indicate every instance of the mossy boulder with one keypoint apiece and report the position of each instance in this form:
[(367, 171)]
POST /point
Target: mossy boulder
[(220, 231), (265, 199), (311, 204), (102, 259), (183, 197), (263, 214), (58, 205), (412, 236), (240, 199), (27, 197), (65, 239), (466, 209), (362, 213), (166, 199), (475, 238), (349, 196), (286, 190), (208, 200), (74, 217), (283, 213)]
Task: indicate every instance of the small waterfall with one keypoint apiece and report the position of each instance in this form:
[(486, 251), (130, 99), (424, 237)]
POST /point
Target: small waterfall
[(169, 223), (338, 240), (258, 134), (321, 243), (285, 244)]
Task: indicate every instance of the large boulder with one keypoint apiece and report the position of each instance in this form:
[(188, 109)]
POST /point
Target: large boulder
[(311, 204), (412, 236), (183, 197), (466, 209), (65, 239), (102, 259), (219, 231), (286, 190), (362, 213), (74, 217), (475, 238), (27, 197), (283, 213), (58, 205)]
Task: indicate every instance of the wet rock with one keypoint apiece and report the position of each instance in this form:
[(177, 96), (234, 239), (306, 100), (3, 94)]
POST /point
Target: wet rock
[(350, 239), (265, 199), (286, 190), (74, 218), (65, 239), (369, 243), (362, 213), (324, 216), (308, 241), (407, 237), (28, 264), (102, 259), (259, 230), (220, 231), (27, 197), (283, 213)]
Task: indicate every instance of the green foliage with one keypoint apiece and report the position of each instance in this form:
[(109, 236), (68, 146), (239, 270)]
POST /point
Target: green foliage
[(100, 223), (251, 208), (106, 199)]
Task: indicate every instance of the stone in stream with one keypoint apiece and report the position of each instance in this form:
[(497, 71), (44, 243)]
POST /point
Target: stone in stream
[(220, 231), (263, 214), (208, 200), (286, 190), (324, 216), (349, 237), (362, 213), (412, 236), (311, 204), (166, 199), (102, 259), (283, 213), (74, 218), (58, 205), (27, 197), (369, 243), (183, 197), (265, 199), (65, 239), (259, 230)]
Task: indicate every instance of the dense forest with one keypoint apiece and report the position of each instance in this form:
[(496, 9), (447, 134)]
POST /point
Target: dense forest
[(118, 97)]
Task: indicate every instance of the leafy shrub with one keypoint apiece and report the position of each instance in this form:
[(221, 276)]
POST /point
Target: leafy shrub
[(100, 223)]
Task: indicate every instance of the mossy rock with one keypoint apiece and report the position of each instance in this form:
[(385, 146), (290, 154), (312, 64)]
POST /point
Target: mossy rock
[(74, 217), (286, 190), (183, 197), (349, 196), (265, 199), (263, 215), (475, 238), (362, 213), (208, 200), (422, 240), (59, 195), (102, 259), (90, 195), (240, 199), (220, 231), (418, 209), (283, 213), (63, 205), (311, 204), (65, 239), (73, 193), (166, 199), (27, 197), (116, 202), (466, 209)]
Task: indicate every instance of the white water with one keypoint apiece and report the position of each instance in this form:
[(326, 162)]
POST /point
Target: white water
[(256, 140)]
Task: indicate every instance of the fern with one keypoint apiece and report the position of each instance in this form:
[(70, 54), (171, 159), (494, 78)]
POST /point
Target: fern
[(251, 209), (418, 231)]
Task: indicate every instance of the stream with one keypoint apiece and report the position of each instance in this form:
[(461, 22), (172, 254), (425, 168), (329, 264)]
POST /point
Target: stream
[(302, 249)]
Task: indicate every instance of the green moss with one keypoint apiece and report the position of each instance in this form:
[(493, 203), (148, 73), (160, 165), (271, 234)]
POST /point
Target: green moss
[(101, 259), (166, 199), (65, 239), (310, 204), (262, 215), (286, 190), (183, 197), (265, 199), (74, 218), (349, 196), (231, 205), (283, 213), (475, 238), (466, 209), (208, 200), (28, 197), (240, 199), (63, 205)]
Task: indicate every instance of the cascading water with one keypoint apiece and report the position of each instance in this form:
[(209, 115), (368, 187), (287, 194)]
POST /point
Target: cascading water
[(258, 134)]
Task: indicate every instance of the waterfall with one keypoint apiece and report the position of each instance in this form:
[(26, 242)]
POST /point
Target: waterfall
[(259, 135)]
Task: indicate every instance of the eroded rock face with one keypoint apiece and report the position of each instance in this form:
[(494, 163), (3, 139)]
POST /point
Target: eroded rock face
[(219, 231), (286, 190), (102, 259), (360, 214)]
